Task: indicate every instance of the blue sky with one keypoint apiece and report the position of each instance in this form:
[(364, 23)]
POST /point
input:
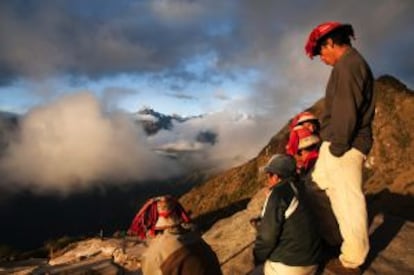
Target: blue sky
[(188, 57)]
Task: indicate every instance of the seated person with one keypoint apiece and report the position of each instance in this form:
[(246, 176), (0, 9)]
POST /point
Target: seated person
[(287, 240), (303, 145), (308, 149), (306, 120), (306, 156), (174, 247)]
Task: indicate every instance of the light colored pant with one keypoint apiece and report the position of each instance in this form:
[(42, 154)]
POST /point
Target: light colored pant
[(341, 178), (273, 268), (276, 268)]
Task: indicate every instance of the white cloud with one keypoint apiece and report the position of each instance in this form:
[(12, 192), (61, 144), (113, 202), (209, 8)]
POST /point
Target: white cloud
[(239, 138), (72, 143)]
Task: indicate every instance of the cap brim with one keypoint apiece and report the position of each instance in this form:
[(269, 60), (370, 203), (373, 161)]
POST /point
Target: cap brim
[(264, 169)]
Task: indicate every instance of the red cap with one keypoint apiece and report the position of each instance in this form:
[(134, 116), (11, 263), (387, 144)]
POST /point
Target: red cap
[(301, 118), (306, 137), (300, 137), (320, 31), (158, 213)]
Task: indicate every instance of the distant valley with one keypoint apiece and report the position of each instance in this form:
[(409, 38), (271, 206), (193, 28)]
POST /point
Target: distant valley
[(29, 220)]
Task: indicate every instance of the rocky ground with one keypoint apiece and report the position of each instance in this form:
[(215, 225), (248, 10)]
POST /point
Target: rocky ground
[(392, 249), (92, 256)]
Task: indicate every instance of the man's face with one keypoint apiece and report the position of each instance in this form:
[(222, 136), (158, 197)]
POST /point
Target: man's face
[(328, 53)]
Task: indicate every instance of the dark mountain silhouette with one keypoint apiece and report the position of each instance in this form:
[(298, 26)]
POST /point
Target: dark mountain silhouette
[(207, 137), (153, 121), (29, 220), (8, 125)]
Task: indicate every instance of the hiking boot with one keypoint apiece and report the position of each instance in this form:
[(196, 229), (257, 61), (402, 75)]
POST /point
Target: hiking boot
[(335, 267)]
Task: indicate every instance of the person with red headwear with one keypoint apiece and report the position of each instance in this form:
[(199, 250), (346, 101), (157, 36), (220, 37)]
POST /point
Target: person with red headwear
[(306, 156), (302, 120), (173, 246), (307, 149), (303, 145), (346, 133)]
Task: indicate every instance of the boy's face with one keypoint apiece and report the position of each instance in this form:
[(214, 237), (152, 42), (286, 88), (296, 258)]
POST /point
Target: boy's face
[(272, 180), (310, 126)]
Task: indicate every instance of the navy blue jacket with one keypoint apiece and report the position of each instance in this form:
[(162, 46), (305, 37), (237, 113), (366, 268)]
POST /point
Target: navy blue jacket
[(287, 232)]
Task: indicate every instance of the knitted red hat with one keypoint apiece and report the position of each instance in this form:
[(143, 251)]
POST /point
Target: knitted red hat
[(320, 31), (157, 214), (306, 137), (306, 116), (301, 118)]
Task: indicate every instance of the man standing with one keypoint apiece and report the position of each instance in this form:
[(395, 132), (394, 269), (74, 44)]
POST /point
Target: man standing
[(347, 137)]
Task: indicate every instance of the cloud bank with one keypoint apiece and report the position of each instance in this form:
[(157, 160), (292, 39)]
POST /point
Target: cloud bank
[(72, 143), (75, 142)]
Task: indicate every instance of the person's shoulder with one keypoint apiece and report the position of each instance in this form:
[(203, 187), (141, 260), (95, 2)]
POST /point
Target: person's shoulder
[(282, 191), (274, 195), (353, 62), (353, 58)]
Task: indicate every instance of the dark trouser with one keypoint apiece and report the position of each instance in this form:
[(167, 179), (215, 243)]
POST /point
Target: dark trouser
[(320, 205)]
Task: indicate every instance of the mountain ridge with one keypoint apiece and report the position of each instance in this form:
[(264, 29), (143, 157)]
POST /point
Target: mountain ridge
[(384, 168), (388, 188)]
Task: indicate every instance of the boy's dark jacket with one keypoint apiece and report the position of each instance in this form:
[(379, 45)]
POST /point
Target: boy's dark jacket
[(293, 240)]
